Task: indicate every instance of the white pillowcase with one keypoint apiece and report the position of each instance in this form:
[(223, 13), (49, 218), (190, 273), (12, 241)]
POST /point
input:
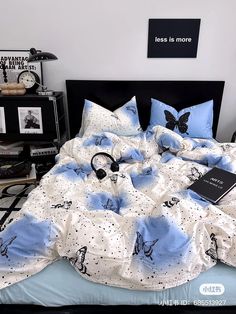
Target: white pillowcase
[(122, 121)]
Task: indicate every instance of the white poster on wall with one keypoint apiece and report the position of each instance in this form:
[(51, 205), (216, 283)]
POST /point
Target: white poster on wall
[(13, 62)]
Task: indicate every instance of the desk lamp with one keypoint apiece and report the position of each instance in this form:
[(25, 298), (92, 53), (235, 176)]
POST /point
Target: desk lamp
[(41, 57)]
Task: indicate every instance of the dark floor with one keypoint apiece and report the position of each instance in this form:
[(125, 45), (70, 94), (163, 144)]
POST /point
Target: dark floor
[(84, 309)]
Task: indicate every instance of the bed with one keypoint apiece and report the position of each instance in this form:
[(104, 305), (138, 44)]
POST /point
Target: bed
[(59, 285)]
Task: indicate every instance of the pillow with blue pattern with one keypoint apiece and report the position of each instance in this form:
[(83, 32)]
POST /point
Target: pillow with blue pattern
[(122, 121), (195, 121)]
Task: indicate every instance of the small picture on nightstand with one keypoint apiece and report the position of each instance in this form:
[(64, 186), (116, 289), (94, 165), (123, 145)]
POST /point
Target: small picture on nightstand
[(2, 120), (30, 120)]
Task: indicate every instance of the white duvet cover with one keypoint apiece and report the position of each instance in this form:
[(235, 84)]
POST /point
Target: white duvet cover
[(139, 228)]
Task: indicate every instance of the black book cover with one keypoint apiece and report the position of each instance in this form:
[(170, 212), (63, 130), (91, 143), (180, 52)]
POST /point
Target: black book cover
[(214, 185)]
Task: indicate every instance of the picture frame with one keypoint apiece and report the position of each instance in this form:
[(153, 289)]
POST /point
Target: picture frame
[(173, 37), (30, 120), (13, 62), (2, 120)]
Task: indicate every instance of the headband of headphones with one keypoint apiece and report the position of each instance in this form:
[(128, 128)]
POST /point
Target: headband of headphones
[(101, 173)]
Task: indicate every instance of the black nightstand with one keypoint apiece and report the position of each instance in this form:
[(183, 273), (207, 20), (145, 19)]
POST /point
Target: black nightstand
[(48, 125), (53, 124)]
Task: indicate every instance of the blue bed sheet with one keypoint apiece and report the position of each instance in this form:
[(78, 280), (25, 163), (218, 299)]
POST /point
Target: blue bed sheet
[(59, 284)]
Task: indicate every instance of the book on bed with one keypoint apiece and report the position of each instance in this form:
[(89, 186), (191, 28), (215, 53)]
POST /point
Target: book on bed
[(214, 185)]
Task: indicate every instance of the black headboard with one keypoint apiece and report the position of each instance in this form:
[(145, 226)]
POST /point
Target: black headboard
[(112, 94)]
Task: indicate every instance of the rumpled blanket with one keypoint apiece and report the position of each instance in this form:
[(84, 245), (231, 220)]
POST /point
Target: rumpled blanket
[(139, 228)]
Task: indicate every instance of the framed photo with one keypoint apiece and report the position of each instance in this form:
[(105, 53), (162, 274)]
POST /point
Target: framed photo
[(2, 120), (30, 120), (13, 62)]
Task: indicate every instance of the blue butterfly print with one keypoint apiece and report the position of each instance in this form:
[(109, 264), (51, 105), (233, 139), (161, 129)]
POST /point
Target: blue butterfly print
[(110, 206), (82, 172), (4, 245), (132, 109), (99, 139), (145, 246), (79, 171), (124, 159), (147, 171)]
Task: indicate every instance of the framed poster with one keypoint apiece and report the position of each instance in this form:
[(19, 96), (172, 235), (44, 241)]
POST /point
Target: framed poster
[(173, 38), (2, 120), (13, 62), (30, 120)]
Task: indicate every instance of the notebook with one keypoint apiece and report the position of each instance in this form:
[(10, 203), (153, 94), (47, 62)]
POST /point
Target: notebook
[(214, 185)]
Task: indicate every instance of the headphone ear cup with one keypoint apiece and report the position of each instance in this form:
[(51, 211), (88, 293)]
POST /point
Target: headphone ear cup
[(115, 166), (100, 173)]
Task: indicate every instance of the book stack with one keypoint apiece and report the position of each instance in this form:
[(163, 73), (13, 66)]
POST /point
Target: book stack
[(11, 149)]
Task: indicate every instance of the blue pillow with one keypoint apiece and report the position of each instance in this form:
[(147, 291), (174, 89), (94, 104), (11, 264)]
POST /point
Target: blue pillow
[(195, 121)]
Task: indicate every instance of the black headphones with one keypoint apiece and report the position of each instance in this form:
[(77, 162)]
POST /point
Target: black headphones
[(100, 173)]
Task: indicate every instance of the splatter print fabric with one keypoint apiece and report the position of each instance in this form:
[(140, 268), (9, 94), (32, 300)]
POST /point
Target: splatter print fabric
[(139, 228)]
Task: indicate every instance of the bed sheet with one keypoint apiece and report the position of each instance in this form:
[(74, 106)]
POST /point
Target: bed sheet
[(59, 284)]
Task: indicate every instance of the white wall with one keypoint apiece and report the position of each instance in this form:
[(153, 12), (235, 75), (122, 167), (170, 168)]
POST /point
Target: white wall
[(107, 39)]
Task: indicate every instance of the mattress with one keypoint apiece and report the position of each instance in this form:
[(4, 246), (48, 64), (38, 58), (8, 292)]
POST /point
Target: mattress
[(59, 284)]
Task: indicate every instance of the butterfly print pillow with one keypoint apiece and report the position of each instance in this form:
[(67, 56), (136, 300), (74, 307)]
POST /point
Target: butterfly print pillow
[(123, 121), (195, 121)]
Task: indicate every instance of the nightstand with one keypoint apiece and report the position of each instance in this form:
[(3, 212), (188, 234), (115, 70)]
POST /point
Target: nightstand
[(48, 112), (34, 120)]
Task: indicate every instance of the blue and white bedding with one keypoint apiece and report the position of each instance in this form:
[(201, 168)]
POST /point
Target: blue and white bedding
[(139, 228)]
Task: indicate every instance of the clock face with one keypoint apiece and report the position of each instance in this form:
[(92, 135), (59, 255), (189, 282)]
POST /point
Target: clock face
[(29, 79)]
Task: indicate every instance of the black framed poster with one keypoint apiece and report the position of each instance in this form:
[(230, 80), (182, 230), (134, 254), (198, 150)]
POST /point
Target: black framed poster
[(173, 38)]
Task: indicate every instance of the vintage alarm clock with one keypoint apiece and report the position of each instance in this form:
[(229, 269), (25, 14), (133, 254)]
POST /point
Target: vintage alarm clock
[(30, 79)]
